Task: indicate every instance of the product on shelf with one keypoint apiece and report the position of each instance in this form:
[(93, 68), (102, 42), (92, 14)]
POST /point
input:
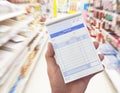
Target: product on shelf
[(91, 2), (113, 62), (107, 26), (100, 37), (98, 4), (115, 41), (108, 5), (73, 6), (14, 27), (18, 38), (92, 31), (63, 6), (117, 29), (107, 49), (6, 7), (118, 6), (4, 28), (48, 9), (27, 64), (12, 50), (105, 21), (108, 17), (23, 1)]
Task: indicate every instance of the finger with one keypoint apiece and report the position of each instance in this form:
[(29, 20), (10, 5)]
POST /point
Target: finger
[(50, 51), (101, 57), (96, 44), (51, 62)]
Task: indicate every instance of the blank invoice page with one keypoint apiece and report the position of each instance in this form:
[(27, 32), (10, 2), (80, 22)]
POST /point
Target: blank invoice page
[(74, 50)]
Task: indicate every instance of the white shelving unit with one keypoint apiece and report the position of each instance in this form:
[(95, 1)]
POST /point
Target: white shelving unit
[(105, 11), (15, 27), (16, 64), (107, 34), (19, 63), (16, 46), (23, 82), (11, 15)]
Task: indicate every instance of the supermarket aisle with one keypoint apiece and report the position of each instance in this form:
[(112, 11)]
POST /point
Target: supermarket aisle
[(39, 82)]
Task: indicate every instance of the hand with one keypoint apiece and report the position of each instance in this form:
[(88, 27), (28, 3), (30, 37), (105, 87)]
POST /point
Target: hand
[(56, 79)]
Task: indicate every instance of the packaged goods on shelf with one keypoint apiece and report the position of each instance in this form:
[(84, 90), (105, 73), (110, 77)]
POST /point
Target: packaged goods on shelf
[(108, 17), (63, 6), (98, 4), (9, 60), (118, 6), (47, 10), (13, 72), (113, 63), (4, 28), (18, 38), (28, 68), (6, 7), (106, 21), (29, 35), (108, 5), (21, 43), (117, 29), (9, 10), (73, 6), (107, 49), (24, 1), (15, 27)]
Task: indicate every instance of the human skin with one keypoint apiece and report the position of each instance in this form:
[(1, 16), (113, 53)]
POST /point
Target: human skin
[(56, 79)]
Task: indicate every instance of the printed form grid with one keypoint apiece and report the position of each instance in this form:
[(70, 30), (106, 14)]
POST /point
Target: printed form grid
[(75, 53), (83, 57)]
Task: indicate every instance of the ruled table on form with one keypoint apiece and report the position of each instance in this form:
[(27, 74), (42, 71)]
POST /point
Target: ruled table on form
[(74, 50)]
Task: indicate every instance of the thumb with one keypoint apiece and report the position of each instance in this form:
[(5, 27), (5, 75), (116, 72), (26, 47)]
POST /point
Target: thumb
[(51, 62)]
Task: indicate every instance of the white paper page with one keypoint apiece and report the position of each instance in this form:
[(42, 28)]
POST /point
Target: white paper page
[(74, 50)]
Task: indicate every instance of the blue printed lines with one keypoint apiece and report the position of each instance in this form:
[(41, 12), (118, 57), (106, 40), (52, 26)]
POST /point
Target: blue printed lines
[(59, 33), (78, 69), (71, 41)]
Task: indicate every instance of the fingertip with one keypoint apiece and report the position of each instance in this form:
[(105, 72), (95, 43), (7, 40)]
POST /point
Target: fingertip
[(49, 44), (50, 60), (101, 57), (96, 44), (50, 51)]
